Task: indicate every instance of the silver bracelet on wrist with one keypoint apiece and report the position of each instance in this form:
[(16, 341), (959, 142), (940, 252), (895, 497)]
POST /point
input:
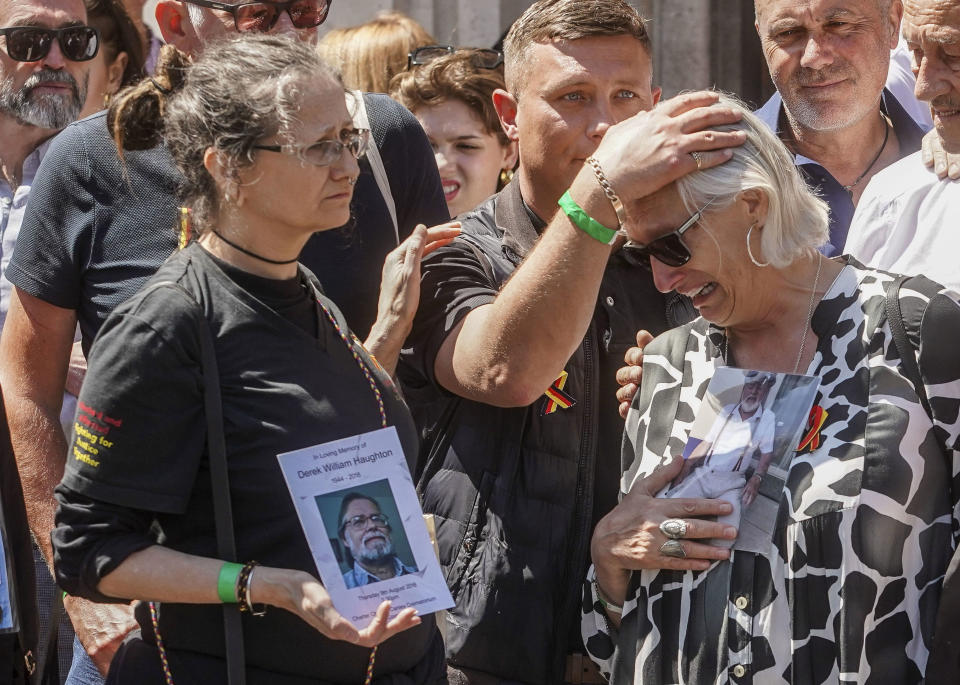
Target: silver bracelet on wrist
[(607, 604), (608, 190), (254, 612)]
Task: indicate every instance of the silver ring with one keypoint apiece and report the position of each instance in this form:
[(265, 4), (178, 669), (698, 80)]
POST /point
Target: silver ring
[(673, 548), (674, 528), (697, 159)]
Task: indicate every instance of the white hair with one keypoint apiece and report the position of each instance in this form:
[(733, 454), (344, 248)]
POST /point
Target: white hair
[(196, 14), (797, 221)]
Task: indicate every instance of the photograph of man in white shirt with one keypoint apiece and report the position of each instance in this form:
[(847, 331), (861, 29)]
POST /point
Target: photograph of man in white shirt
[(717, 466)]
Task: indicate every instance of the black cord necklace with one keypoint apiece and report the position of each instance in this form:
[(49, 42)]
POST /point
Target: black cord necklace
[(886, 137), (253, 254)]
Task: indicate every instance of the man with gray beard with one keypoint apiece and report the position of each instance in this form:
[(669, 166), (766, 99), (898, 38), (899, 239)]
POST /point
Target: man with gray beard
[(43, 86), (44, 49), (366, 532)]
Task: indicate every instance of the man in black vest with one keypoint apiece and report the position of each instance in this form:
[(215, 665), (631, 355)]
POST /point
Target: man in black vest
[(511, 364)]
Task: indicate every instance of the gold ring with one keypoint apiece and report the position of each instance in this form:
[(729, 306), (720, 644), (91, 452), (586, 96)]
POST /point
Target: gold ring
[(697, 159)]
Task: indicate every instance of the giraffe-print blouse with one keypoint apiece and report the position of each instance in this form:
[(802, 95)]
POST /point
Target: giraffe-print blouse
[(867, 521)]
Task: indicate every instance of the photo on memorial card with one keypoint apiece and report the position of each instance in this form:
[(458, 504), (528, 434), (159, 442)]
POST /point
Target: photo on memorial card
[(360, 514), (366, 534), (741, 445)]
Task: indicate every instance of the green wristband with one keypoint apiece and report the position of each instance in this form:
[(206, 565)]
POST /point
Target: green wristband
[(585, 222), (227, 582)]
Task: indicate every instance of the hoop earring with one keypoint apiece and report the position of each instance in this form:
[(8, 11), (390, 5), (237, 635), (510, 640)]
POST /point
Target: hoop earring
[(750, 252), (231, 192)]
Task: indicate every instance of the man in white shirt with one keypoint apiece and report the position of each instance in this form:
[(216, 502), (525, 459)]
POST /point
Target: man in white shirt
[(717, 466), (908, 219)]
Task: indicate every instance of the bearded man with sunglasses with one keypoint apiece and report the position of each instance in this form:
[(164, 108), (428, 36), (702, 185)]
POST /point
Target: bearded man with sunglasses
[(103, 227), (44, 50), (525, 319), (43, 86)]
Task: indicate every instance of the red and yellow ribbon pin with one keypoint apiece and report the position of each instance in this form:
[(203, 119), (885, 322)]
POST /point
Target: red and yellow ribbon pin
[(811, 441), (556, 397)]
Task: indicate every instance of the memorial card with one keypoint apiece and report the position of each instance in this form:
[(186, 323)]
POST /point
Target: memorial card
[(741, 445), (360, 514)]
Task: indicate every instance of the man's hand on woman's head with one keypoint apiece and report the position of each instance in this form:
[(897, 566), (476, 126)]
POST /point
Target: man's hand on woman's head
[(652, 149)]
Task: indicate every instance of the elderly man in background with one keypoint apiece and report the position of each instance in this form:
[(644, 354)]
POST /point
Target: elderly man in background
[(43, 86), (44, 72), (829, 60), (908, 220)]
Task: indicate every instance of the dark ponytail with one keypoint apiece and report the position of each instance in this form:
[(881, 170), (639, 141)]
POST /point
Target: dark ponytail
[(135, 117)]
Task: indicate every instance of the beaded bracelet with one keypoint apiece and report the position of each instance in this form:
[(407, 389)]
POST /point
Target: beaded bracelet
[(254, 609), (243, 591)]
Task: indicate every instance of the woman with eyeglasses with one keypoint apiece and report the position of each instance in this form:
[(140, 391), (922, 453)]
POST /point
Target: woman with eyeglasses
[(450, 92), (262, 134), (865, 526)]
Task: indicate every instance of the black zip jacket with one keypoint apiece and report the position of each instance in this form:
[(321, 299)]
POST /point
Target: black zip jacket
[(513, 490)]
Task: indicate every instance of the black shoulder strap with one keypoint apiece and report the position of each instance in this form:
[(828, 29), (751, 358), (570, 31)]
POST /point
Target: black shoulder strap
[(220, 480), (904, 347)]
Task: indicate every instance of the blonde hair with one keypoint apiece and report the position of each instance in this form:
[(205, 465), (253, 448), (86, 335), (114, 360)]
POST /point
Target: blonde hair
[(371, 54), (797, 221)]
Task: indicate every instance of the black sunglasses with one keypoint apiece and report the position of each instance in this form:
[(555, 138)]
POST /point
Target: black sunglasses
[(670, 248), (482, 58), (263, 16), (32, 43)]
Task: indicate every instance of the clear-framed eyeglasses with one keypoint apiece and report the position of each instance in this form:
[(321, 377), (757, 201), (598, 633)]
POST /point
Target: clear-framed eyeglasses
[(326, 152), (360, 521)]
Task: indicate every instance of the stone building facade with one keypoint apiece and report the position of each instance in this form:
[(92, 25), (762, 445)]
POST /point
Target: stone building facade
[(697, 43)]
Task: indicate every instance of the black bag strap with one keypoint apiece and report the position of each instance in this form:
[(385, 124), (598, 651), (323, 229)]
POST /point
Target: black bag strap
[(944, 662), (904, 347), (220, 481)]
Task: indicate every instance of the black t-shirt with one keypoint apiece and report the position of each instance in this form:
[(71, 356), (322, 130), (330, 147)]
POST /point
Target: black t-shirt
[(139, 446), (96, 229)]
